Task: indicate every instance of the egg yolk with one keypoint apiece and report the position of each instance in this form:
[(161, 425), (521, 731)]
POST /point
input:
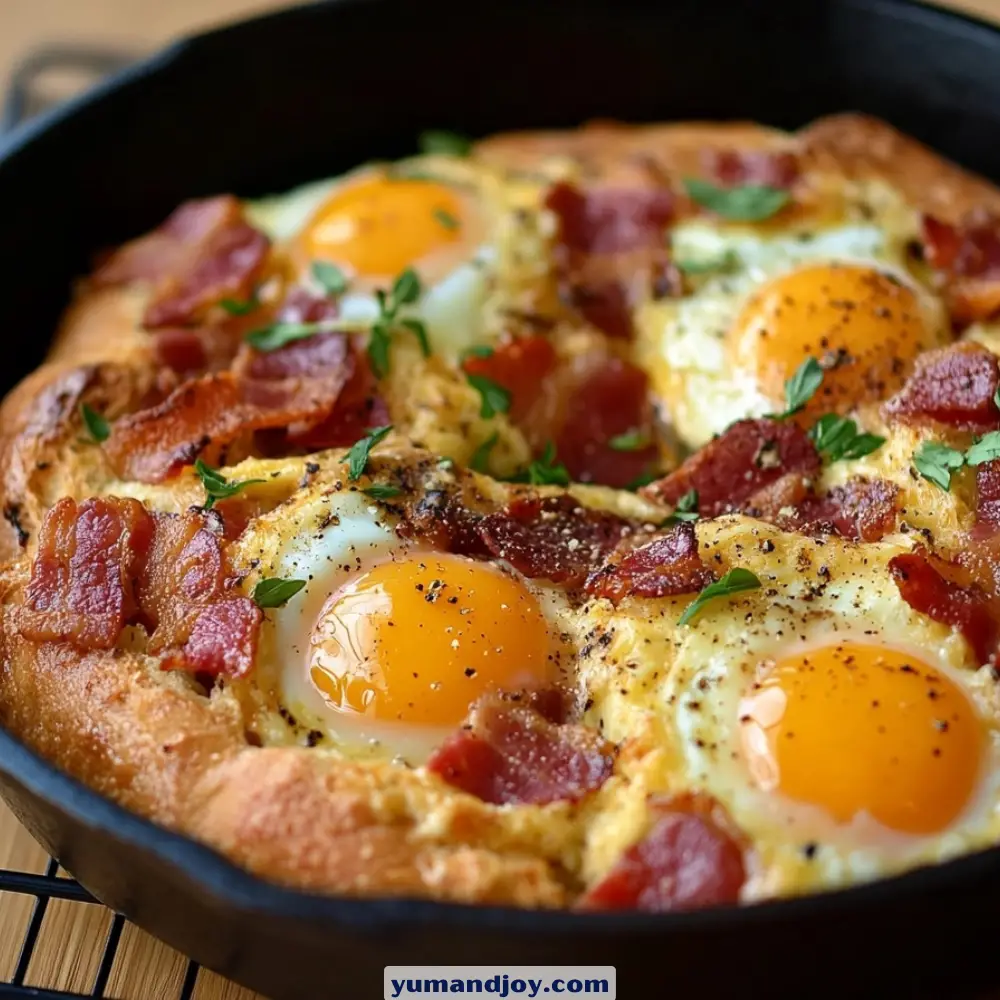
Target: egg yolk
[(380, 226), (855, 728), (420, 638), (864, 327)]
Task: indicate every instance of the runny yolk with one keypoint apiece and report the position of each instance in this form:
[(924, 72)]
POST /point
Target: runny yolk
[(856, 728), (420, 638), (379, 226), (864, 327)]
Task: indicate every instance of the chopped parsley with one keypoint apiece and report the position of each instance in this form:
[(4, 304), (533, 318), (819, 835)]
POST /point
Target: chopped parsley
[(237, 308), (544, 471), (217, 487), (273, 593), (746, 203), (446, 218), (801, 387), (96, 423), (494, 398), (382, 491), (443, 143), (722, 263), (838, 438), (270, 338), (686, 508), (330, 277), (357, 457), (734, 582), (936, 462), (985, 449), (633, 440), (405, 291)]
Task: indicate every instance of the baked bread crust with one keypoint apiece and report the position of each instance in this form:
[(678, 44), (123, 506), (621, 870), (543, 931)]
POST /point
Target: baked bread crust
[(155, 742)]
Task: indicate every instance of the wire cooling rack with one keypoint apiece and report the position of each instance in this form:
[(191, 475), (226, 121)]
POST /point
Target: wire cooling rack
[(46, 888)]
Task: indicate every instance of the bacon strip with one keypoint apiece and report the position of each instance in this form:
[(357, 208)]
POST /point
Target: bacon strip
[(953, 385), (555, 537), (734, 167), (109, 562), (967, 256), (204, 252), (748, 457), (665, 567), (942, 591), (81, 588), (860, 510), (988, 493), (511, 754), (297, 386), (611, 250), (686, 861), (607, 400), (522, 365)]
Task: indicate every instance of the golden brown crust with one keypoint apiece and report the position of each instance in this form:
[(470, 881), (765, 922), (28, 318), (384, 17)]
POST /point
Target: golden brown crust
[(158, 744)]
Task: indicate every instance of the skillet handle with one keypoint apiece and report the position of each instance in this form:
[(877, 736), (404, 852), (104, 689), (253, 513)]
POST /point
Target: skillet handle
[(24, 97)]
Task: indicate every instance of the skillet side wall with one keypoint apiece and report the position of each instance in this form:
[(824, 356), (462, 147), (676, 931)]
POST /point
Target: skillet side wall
[(261, 106)]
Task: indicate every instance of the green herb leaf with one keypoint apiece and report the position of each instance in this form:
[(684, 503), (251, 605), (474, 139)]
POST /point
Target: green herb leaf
[(379, 342), (97, 425), (442, 143), (333, 280), (643, 479), (935, 462), (996, 398), (446, 218), (217, 487), (545, 471), (417, 328), (634, 440), (382, 491), (236, 308), (480, 460), (495, 398), (405, 289), (357, 457), (838, 438), (477, 351), (802, 386), (270, 338), (272, 593), (986, 449), (686, 508), (734, 582), (723, 263), (747, 203)]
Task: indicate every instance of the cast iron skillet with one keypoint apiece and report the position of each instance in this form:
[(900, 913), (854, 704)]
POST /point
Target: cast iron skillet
[(260, 106)]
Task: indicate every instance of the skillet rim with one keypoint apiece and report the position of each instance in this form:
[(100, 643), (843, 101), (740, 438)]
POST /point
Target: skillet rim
[(231, 886)]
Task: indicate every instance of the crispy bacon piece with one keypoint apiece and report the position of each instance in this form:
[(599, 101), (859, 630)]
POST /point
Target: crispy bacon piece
[(664, 567), (988, 493), (510, 753), (686, 861), (967, 256), (953, 385), (521, 365), (611, 248), (296, 386), (944, 591), (607, 401), (109, 562), (82, 580), (749, 456), (445, 523), (555, 537), (860, 509), (734, 167), (204, 252)]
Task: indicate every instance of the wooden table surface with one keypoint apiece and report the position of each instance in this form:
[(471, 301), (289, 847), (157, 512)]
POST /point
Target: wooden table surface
[(72, 936)]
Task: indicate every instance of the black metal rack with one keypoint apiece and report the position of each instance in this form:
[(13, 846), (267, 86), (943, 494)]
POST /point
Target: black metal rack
[(45, 888)]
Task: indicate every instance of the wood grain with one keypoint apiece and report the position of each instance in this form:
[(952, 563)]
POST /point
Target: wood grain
[(73, 935)]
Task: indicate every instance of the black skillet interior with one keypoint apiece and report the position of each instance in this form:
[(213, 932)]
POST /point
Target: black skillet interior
[(260, 106)]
